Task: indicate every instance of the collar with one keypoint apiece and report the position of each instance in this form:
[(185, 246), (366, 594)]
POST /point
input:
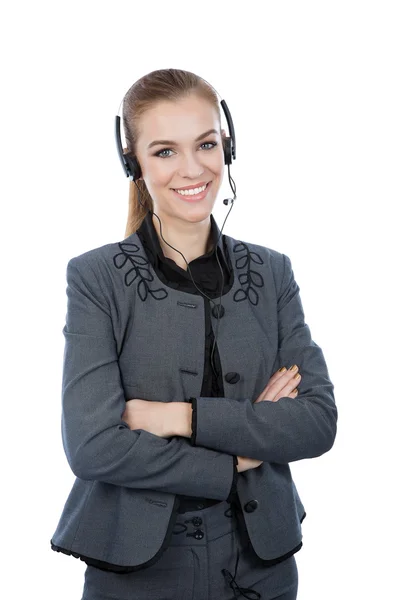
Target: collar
[(148, 232)]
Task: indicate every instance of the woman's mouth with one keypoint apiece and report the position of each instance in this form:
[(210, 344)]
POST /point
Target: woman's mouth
[(189, 196)]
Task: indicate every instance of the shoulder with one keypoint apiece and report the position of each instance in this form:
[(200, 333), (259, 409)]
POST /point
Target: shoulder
[(99, 267), (98, 258)]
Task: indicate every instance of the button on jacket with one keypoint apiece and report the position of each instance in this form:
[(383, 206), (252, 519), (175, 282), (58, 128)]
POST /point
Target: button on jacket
[(129, 334)]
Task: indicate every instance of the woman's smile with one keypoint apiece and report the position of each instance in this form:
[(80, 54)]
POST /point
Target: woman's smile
[(189, 197)]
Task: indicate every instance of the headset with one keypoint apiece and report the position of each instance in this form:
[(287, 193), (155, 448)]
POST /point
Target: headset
[(133, 170), (131, 165)]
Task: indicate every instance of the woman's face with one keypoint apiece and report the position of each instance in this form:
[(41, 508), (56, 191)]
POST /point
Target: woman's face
[(185, 159)]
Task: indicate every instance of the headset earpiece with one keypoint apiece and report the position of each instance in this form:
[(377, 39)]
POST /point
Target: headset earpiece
[(227, 145), (133, 166)]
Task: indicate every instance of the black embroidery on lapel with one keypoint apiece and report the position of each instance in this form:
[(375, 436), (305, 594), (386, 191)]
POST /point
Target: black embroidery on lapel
[(129, 255), (250, 278)]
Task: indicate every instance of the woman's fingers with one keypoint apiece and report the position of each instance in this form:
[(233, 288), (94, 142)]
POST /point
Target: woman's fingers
[(282, 383), (277, 376)]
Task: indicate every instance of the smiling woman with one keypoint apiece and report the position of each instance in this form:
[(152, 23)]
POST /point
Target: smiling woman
[(159, 420)]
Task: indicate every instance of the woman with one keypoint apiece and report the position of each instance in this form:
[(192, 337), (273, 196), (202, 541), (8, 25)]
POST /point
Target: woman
[(181, 440)]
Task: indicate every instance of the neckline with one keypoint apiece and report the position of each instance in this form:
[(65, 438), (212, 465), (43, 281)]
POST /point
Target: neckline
[(134, 238), (152, 234)]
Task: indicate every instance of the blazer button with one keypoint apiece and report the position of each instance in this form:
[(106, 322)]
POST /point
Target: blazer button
[(215, 310), (198, 534), (232, 377), (251, 506)]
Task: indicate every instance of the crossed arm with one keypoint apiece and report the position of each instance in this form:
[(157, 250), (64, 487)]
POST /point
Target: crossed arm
[(284, 431), (292, 428), (176, 418), (197, 460)]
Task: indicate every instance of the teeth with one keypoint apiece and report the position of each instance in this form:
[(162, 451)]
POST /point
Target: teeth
[(191, 192)]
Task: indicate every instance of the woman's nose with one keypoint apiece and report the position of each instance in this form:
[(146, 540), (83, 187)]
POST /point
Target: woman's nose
[(190, 166)]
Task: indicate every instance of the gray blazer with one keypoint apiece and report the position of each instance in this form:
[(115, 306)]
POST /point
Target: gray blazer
[(128, 335)]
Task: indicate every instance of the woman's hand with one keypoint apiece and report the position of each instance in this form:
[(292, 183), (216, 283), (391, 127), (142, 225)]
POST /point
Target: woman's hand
[(281, 384), (152, 416), (244, 464)]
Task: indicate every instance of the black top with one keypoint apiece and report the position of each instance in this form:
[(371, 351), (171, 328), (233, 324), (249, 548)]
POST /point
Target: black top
[(207, 275)]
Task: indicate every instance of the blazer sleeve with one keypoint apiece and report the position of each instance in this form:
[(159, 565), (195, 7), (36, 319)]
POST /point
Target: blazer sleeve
[(291, 428), (98, 444)]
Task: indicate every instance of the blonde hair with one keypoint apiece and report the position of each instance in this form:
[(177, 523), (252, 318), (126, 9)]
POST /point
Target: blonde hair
[(160, 85)]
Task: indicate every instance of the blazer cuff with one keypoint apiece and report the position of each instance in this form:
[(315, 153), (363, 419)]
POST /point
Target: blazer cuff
[(194, 420), (232, 493)]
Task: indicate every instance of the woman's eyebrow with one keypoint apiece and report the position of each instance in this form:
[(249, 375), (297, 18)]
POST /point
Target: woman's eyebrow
[(203, 135)]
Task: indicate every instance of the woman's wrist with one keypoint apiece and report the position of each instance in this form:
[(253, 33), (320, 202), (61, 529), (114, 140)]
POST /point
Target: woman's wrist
[(180, 417)]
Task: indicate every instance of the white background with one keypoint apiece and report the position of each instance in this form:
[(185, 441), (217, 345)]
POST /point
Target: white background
[(313, 88)]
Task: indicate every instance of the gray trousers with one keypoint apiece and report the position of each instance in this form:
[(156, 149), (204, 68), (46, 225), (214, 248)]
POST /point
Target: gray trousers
[(190, 568)]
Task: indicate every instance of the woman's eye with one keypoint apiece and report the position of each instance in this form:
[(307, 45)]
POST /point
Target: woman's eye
[(212, 144), (160, 153)]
